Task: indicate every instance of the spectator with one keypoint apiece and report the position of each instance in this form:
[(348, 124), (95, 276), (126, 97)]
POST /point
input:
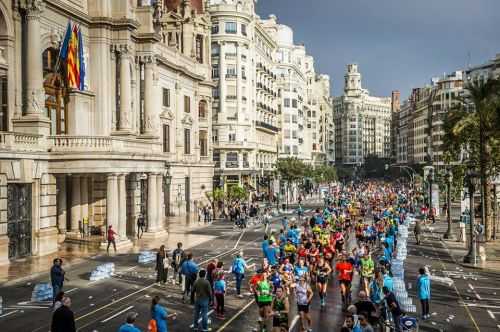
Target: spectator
[(111, 238), (203, 294), (129, 326), (238, 269), (178, 258), (364, 324), (366, 307), (424, 292), (393, 307), (141, 224), (189, 269), (63, 319), (57, 277), (162, 264), (417, 230), (58, 301), (219, 292), (159, 315)]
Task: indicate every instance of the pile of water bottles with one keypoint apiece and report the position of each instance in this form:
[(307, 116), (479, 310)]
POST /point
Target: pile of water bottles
[(103, 271), (41, 292), (397, 269), (146, 257)]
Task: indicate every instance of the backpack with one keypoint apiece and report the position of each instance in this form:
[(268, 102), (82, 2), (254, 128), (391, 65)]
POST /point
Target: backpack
[(152, 326)]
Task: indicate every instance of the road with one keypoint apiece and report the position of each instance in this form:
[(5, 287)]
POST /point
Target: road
[(102, 305)]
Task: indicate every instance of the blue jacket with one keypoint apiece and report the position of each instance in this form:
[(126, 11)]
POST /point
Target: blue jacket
[(189, 268), (57, 275), (388, 282), (128, 328), (270, 254), (424, 287), (160, 316), (376, 294), (238, 265), (220, 286)]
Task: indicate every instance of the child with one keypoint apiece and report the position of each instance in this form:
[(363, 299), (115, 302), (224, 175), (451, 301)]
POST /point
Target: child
[(219, 291)]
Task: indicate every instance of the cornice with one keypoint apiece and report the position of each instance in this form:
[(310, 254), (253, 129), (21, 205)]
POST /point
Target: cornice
[(66, 10)]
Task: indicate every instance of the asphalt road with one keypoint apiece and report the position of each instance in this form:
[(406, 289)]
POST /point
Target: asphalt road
[(102, 305)]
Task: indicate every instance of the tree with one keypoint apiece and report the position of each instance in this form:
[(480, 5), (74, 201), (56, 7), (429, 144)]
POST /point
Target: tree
[(474, 127), (236, 193)]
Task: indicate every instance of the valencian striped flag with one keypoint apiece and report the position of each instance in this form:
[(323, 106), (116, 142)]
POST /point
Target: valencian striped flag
[(71, 56)]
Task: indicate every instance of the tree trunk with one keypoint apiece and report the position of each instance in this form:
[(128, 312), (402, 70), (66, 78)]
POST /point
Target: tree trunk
[(486, 221)]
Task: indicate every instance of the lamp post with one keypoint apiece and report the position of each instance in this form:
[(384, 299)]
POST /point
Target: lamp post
[(429, 180), (448, 177), (278, 193), (168, 182), (472, 180)]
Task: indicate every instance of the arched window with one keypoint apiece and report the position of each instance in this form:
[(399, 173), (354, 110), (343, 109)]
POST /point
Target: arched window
[(203, 109), (55, 93)]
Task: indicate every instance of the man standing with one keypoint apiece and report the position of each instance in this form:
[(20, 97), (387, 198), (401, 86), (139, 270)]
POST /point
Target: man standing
[(57, 277), (189, 269), (417, 230), (141, 224), (178, 258), (393, 306), (424, 292), (111, 238), (203, 293), (63, 319)]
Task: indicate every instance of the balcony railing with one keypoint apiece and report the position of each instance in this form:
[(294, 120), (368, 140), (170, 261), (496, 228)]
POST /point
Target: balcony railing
[(267, 126), (232, 164), (21, 141), (65, 143)]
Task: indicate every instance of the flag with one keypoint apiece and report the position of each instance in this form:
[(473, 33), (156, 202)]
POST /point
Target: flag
[(81, 59), (72, 62), (63, 51)]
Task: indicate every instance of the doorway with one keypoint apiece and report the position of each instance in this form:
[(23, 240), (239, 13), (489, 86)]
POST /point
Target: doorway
[(19, 219)]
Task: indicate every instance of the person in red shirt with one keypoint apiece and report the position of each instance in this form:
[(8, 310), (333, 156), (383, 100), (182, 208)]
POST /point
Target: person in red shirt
[(345, 272), (111, 238), (252, 284)]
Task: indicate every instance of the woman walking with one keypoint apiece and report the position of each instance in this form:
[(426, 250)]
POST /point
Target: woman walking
[(162, 264), (424, 292)]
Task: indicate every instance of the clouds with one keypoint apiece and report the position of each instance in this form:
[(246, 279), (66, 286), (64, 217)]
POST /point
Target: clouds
[(398, 44)]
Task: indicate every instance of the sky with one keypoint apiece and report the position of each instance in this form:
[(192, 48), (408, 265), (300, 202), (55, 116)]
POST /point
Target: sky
[(398, 44)]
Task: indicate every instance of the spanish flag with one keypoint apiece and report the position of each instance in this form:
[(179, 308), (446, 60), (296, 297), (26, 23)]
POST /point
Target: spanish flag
[(71, 55)]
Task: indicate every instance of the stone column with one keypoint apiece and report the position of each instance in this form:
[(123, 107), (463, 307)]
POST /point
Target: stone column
[(125, 90), (61, 204), (152, 204), (35, 94), (112, 202), (122, 206), (160, 205), (148, 97), (75, 203), (84, 199)]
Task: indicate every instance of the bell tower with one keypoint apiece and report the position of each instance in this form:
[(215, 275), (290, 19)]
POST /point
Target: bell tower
[(352, 80)]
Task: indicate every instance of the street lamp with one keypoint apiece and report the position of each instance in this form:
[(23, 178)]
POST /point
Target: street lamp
[(168, 182), (472, 182), (448, 178), (429, 180), (278, 193)]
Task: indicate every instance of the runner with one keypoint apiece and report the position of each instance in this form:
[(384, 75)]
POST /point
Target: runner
[(345, 272), (322, 271), (304, 295), (264, 300), (280, 309)]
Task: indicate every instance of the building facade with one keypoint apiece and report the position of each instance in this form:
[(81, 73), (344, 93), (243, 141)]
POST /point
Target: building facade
[(246, 103), (134, 141), (362, 123)]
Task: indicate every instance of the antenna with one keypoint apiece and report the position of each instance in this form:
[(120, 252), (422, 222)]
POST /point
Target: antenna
[(468, 59)]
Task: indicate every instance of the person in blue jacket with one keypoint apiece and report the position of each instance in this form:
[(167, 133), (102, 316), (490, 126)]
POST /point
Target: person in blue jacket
[(190, 271), (388, 282), (129, 325), (238, 269), (159, 314), (424, 292)]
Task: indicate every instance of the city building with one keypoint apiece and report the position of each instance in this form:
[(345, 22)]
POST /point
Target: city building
[(320, 121), (419, 126), (490, 69), (133, 140), (362, 123), (246, 122)]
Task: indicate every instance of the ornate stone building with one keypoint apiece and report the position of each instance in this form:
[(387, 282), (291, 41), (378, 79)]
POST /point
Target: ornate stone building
[(134, 141), (362, 122), (246, 120)]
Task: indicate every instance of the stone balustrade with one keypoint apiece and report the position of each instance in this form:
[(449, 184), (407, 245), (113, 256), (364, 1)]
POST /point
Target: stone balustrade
[(65, 143), (16, 141)]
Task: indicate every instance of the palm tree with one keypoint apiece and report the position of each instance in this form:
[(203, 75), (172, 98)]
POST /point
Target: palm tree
[(474, 126)]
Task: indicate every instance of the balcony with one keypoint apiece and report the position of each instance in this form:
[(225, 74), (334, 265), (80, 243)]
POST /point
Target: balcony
[(246, 164), (64, 143), (263, 125), (231, 76), (20, 141), (232, 164), (231, 97)]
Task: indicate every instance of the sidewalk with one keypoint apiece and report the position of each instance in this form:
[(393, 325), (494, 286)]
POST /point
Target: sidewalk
[(458, 250), (180, 229)]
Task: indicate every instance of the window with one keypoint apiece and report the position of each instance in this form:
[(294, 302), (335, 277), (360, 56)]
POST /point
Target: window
[(215, 92), (203, 143), (231, 92), (54, 86), (231, 27), (187, 104), (187, 141), (287, 149), (166, 97), (199, 48), (166, 138), (287, 102), (287, 118), (3, 100), (215, 49), (294, 134), (215, 71), (215, 28), (244, 29), (203, 109), (232, 137), (287, 133), (294, 118), (295, 150), (243, 73), (231, 71), (215, 136), (294, 103)]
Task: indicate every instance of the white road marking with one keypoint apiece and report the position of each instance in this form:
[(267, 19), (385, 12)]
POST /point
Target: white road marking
[(235, 316), (27, 307), (71, 290), (294, 321), (478, 305), (239, 239), (9, 313), (491, 314), (47, 303), (117, 314), (496, 288), (470, 286)]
